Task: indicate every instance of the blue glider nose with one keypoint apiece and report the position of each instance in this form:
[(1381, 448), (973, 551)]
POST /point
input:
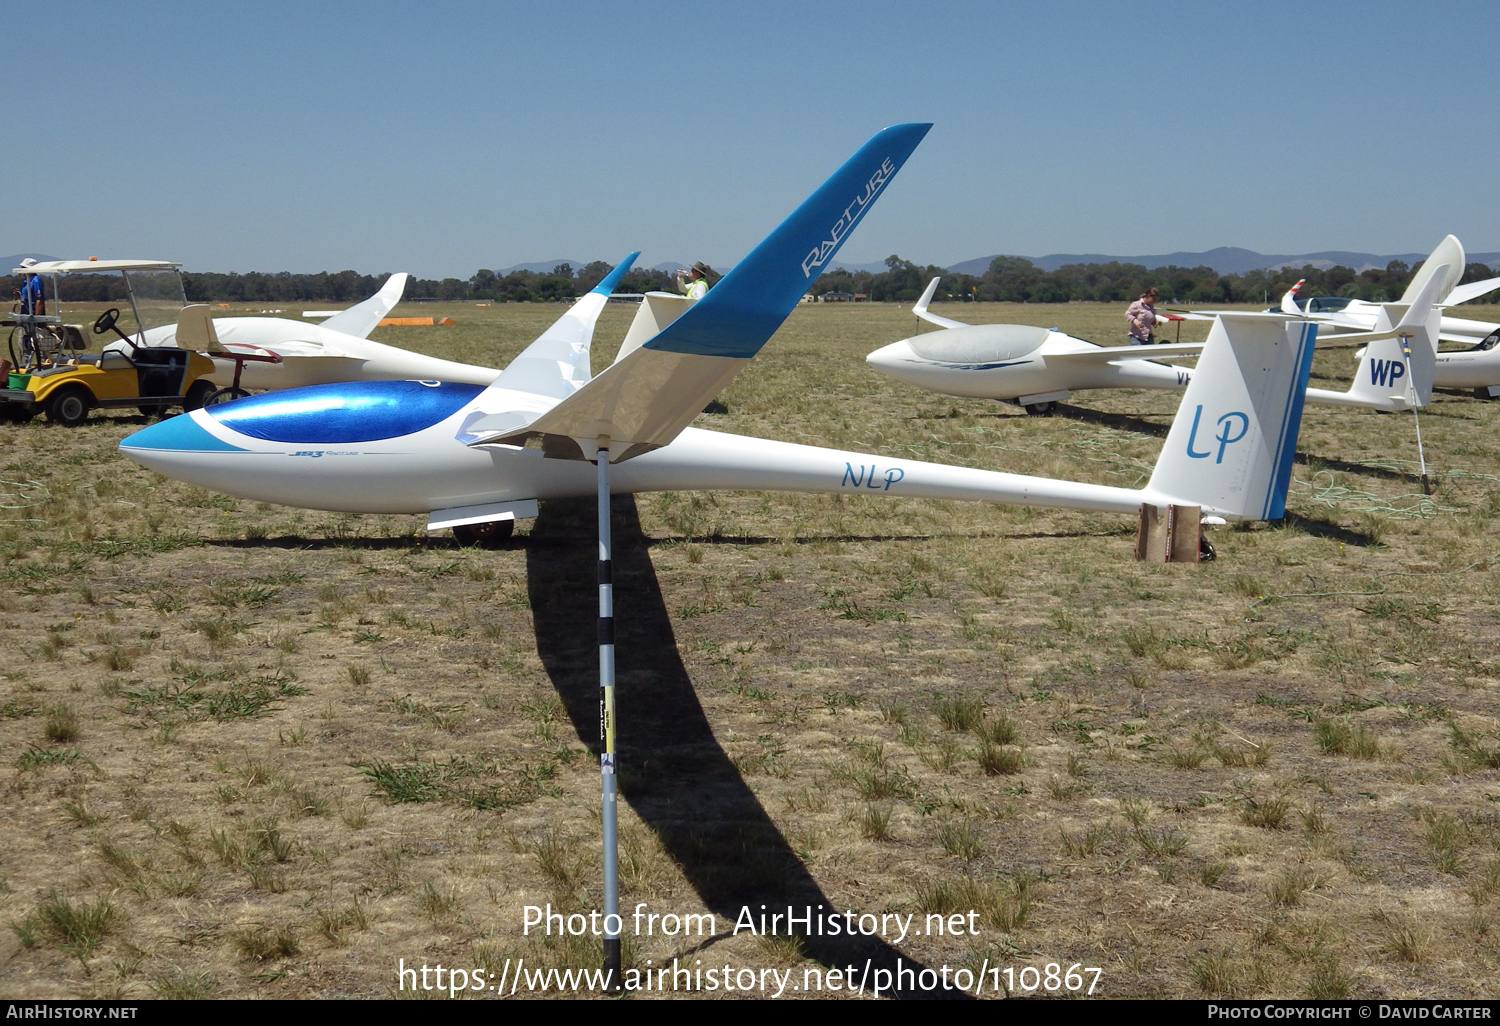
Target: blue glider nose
[(178, 434)]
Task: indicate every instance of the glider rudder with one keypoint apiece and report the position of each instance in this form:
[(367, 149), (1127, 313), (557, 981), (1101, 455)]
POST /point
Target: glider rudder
[(1231, 445)]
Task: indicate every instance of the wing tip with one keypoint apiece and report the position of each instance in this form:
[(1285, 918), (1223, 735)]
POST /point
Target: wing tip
[(610, 280)]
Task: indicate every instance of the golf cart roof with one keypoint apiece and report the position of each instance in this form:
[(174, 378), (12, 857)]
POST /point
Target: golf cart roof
[(85, 266)]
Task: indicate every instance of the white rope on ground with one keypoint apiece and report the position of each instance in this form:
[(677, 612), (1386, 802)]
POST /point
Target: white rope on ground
[(1336, 496), (39, 494)]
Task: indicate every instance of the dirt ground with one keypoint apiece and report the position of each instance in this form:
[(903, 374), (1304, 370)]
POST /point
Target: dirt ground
[(253, 751)]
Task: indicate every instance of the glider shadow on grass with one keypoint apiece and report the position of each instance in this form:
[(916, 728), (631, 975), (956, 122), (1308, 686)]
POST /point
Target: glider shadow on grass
[(673, 772)]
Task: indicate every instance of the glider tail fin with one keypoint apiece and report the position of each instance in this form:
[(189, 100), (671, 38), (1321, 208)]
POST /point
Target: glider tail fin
[(1395, 373), (1231, 444), (362, 318)]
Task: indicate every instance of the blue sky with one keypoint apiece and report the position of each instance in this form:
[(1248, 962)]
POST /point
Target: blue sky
[(440, 138)]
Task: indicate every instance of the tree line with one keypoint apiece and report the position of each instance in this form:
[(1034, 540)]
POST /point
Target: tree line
[(561, 283), (1008, 280), (1017, 280)]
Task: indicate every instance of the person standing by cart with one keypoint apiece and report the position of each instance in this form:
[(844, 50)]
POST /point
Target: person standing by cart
[(33, 297)]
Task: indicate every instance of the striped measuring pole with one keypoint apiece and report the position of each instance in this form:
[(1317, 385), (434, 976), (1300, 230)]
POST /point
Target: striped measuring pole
[(612, 922)]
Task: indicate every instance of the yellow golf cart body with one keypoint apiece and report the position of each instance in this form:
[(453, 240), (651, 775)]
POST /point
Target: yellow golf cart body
[(55, 377)]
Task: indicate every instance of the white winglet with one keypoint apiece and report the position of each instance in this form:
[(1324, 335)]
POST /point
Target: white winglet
[(920, 309), (1289, 301), (362, 318)]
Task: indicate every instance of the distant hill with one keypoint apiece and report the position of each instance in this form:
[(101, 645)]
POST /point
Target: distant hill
[(6, 263), (1224, 260)]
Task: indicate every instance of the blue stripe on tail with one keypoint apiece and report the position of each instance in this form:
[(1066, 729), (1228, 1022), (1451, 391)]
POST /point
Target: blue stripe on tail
[(612, 279), (743, 311), (1286, 447)]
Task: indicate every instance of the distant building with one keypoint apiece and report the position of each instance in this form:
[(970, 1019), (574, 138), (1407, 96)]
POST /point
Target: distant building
[(837, 297)]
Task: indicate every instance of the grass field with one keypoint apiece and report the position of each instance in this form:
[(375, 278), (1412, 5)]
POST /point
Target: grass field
[(248, 750)]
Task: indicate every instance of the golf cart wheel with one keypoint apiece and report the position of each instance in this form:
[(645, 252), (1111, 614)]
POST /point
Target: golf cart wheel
[(225, 395), (70, 406), (197, 395), (1041, 409), (489, 535)]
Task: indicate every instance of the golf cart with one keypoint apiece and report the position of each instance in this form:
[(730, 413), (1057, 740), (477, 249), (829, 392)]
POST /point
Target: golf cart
[(52, 374)]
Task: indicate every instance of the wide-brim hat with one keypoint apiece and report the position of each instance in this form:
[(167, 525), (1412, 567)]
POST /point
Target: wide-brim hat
[(702, 268), (28, 261)]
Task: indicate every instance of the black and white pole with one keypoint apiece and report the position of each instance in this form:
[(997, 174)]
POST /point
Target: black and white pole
[(1411, 399), (612, 922)]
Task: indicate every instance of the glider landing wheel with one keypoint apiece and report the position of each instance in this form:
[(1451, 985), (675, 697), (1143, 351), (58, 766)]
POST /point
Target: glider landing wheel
[(1483, 393), (1206, 553), (225, 395), (489, 535), (1041, 409)]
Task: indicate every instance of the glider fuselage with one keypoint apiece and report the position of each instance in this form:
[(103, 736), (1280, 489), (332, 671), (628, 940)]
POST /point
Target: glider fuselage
[(1004, 361), (323, 458)]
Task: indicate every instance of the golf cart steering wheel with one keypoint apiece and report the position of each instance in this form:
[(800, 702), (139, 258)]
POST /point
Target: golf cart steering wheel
[(106, 322)]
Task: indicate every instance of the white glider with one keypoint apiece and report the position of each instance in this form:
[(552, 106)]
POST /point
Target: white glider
[(314, 354), (1474, 365), (1337, 314), (1032, 367), (462, 455), (1038, 368)]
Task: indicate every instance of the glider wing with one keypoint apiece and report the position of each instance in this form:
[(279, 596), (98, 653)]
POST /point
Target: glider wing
[(646, 398)]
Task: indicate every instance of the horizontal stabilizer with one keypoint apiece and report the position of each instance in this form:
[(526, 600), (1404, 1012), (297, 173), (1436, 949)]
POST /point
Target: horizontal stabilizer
[(362, 318)]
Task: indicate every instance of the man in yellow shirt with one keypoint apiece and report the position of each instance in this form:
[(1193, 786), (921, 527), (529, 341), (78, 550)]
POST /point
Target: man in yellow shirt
[(693, 281)]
